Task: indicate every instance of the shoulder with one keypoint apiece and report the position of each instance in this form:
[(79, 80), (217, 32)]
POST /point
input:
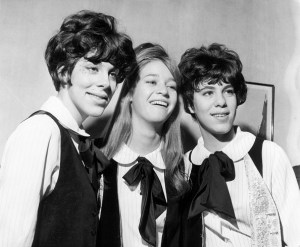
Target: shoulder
[(273, 150), (38, 128), (34, 144), (274, 157)]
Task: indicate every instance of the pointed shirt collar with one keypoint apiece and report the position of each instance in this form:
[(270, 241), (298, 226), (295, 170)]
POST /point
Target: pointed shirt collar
[(127, 156), (55, 106), (235, 150)]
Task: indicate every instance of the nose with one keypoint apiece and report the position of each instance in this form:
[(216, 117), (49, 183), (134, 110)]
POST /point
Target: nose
[(106, 83), (162, 89), (103, 80), (220, 100)]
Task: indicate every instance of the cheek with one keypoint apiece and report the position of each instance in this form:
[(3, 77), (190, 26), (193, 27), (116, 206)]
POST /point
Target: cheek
[(174, 97), (140, 94), (112, 90), (137, 100), (199, 111), (232, 103), (201, 106)]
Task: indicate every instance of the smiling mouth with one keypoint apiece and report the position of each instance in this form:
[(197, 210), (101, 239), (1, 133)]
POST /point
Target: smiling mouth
[(220, 115), (160, 103), (98, 97)]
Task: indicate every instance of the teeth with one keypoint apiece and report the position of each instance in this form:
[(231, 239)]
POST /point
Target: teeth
[(219, 115), (158, 102)]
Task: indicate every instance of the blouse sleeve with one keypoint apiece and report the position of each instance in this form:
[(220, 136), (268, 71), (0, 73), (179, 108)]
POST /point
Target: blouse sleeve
[(280, 177), (30, 156)]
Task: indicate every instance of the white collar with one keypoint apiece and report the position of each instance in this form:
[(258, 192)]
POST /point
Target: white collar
[(235, 150), (55, 106), (127, 156)]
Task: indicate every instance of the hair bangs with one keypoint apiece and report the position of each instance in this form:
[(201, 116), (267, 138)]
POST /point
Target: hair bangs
[(105, 51), (114, 50)]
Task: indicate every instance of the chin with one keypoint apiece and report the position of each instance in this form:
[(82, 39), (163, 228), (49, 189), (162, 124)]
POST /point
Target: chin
[(157, 122), (222, 131), (97, 113)]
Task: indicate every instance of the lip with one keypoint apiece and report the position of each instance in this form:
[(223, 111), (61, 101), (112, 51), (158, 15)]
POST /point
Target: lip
[(220, 114), (98, 96), (159, 102)]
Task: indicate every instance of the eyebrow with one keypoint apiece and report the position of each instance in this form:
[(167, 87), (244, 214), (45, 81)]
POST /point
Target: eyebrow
[(156, 75), (212, 87), (227, 86), (85, 61), (206, 87)]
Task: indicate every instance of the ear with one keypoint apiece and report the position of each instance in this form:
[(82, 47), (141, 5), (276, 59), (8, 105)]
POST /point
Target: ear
[(63, 76), (191, 110), (130, 94)]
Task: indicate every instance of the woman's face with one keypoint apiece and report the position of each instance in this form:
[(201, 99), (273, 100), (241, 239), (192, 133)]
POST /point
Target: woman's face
[(155, 95), (92, 86), (215, 107)]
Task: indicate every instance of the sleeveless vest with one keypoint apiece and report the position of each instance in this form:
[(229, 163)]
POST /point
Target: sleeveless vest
[(110, 229), (68, 216), (192, 229)]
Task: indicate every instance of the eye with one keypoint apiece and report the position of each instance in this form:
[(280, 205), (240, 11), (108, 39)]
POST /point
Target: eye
[(152, 82), (113, 75), (172, 85), (92, 69), (230, 91), (207, 93)]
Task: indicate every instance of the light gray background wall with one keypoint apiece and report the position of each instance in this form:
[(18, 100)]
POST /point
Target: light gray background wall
[(263, 32)]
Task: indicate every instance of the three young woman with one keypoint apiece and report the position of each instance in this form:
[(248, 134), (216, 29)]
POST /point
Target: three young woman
[(146, 177)]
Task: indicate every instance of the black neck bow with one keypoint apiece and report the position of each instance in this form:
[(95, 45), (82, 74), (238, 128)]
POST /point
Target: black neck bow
[(153, 199), (94, 160), (212, 191)]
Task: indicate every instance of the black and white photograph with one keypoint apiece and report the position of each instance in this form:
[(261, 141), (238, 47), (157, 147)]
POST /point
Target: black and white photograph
[(149, 123)]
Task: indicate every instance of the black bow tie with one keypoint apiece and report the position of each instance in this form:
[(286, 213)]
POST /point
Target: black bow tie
[(212, 191), (94, 160), (153, 198), (92, 155)]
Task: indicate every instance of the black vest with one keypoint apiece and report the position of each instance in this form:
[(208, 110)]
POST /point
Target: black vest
[(192, 229), (109, 232), (68, 216)]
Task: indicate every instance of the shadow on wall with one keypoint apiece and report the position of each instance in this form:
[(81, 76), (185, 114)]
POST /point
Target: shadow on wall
[(189, 140)]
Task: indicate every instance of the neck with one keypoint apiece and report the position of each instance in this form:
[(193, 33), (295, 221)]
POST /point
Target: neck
[(144, 139), (65, 99), (215, 142)]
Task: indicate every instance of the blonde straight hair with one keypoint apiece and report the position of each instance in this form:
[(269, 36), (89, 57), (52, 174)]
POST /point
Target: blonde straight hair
[(172, 151)]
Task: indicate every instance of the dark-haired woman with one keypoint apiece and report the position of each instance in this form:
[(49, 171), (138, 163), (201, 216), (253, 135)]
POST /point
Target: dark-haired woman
[(47, 193), (244, 191)]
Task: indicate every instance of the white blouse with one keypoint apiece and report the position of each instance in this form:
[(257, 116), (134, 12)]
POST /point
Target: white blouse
[(280, 180), (29, 170), (130, 199)]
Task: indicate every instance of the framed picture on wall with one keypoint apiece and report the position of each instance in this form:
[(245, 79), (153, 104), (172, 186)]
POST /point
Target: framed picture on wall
[(256, 115)]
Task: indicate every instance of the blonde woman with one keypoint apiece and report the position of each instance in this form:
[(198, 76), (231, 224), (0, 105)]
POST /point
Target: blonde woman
[(141, 186)]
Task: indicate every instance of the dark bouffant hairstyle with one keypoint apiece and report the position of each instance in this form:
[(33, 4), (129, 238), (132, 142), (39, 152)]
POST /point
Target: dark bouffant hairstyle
[(212, 64), (82, 33)]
